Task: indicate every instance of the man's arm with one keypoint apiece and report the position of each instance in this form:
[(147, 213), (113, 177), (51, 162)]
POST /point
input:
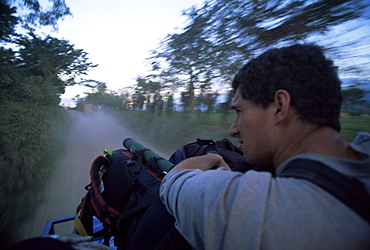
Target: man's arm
[(187, 196), (204, 162)]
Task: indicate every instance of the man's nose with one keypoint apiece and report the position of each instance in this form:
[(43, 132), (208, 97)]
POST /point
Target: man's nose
[(233, 130)]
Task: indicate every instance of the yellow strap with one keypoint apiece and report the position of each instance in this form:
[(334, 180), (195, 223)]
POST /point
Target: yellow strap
[(78, 208), (107, 152), (101, 175), (78, 224), (80, 227)]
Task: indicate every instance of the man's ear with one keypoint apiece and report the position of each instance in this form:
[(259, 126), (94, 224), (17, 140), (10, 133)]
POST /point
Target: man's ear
[(281, 105)]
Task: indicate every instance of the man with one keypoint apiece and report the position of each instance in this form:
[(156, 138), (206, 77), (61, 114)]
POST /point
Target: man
[(287, 104)]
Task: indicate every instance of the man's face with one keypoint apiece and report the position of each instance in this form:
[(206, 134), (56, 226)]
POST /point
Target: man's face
[(253, 126)]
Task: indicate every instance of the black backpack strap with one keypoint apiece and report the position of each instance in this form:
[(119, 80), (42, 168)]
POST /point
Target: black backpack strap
[(347, 189), (153, 165)]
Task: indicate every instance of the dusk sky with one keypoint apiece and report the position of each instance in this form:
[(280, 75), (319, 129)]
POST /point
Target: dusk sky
[(118, 35)]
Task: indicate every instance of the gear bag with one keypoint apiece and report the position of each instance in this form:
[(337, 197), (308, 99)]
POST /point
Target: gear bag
[(231, 154), (122, 189)]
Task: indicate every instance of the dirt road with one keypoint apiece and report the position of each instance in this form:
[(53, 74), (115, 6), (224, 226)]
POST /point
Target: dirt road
[(89, 135)]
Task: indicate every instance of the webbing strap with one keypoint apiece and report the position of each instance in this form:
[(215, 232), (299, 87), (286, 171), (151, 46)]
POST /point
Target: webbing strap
[(80, 227), (350, 191), (152, 165), (78, 223)]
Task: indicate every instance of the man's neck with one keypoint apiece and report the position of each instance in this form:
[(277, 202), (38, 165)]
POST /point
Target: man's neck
[(309, 139)]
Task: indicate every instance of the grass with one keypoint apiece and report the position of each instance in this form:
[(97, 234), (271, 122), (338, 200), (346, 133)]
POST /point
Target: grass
[(29, 141), (169, 133), (351, 125)]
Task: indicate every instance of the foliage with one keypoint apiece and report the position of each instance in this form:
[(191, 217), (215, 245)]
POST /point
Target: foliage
[(223, 34), (26, 129), (35, 15), (186, 58), (41, 69), (7, 20), (51, 58), (37, 69), (28, 134), (206, 102), (34, 71), (146, 90), (104, 99), (353, 99)]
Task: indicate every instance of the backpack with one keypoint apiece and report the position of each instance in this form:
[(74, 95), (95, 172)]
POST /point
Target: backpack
[(123, 188), (231, 154), (124, 194)]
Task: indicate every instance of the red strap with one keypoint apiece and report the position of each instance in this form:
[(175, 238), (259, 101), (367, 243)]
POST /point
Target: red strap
[(150, 171)]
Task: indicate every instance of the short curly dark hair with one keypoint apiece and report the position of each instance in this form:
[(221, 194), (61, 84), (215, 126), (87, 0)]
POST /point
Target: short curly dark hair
[(311, 80)]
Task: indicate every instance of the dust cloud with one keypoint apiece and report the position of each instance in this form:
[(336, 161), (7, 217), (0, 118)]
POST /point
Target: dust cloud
[(89, 135)]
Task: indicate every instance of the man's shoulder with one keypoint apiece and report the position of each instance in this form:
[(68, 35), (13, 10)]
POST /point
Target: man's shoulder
[(362, 138), (361, 144)]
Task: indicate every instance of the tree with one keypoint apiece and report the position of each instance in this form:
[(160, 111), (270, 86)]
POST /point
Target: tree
[(9, 74), (263, 23), (353, 98), (187, 57), (147, 90), (169, 105), (223, 34), (34, 15), (138, 100), (38, 69), (52, 58), (57, 61), (7, 20), (206, 101), (41, 69)]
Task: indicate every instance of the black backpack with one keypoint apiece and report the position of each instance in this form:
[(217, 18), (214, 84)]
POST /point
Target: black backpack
[(231, 154), (124, 194), (123, 190)]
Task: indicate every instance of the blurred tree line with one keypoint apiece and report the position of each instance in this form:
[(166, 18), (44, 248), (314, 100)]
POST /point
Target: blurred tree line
[(200, 61), (34, 72)]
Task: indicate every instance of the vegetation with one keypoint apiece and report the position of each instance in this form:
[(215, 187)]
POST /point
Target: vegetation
[(34, 72), (351, 125), (30, 136), (354, 100)]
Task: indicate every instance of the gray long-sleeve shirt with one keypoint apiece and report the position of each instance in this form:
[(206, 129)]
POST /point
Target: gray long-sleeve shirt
[(221, 209)]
